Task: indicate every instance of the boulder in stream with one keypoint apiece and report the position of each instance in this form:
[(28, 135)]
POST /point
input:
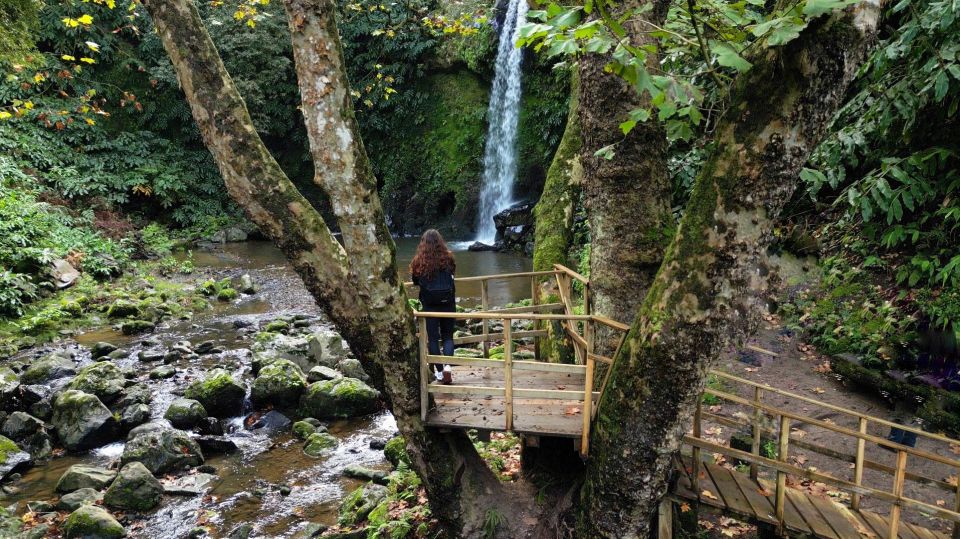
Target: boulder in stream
[(351, 368), (357, 471), (78, 498), (92, 521), (9, 384), (344, 397), (134, 489), (134, 415), (358, 504), (81, 476), (103, 379), (280, 384), (189, 485), (185, 413), (134, 327), (319, 444), (101, 349), (51, 367), (12, 458), (162, 449), (20, 425), (320, 373), (326, 348), (82, 421), (219, 393)]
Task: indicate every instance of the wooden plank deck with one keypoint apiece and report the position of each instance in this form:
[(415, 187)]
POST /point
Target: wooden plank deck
[(735, 494), (547, 417)]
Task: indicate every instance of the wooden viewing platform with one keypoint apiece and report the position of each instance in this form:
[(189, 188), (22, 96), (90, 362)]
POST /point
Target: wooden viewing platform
[(882, 489)]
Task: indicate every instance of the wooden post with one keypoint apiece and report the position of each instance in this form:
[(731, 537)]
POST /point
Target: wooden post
[(587, 396), (535, 300), (484, 305), (586, 298), (697, 416), (424, 370), (898, 478), (665, 517), (757, 431), (858, 465), (781, 476), (508, 373)]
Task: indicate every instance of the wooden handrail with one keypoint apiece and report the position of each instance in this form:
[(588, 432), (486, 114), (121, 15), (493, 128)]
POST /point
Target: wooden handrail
[(478, 278), (494, 315), (563, 269)]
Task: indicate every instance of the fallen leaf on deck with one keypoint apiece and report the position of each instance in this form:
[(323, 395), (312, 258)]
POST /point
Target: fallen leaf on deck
[(708, 494), (818, 390), (571, 410), (684, 507)]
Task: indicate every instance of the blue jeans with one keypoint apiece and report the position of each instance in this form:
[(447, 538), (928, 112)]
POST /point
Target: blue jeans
[(440, 330)]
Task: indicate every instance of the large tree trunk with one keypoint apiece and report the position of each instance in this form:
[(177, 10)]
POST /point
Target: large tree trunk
[(627, 197), (706, 293), (356, 284)]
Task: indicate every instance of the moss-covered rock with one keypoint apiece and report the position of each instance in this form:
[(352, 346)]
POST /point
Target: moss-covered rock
[(78, 498), (161, 449), (185, 413), (82, 421), (122, 308), (396, 451), (134, 327), (277, 326), (134, 489), (319, 444), (81, 476), (219, 393), (351, 368), (281, 383), (48, 368), (103, 379), (90, 521), (11, 456), (358, 504), (227, 294), (344, 397), (303, 429)]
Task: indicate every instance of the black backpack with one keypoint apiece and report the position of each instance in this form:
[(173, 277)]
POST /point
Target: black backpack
[(439, 289)]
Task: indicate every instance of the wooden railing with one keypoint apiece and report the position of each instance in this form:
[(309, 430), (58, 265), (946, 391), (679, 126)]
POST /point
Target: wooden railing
[(580, 328), (758, 411)]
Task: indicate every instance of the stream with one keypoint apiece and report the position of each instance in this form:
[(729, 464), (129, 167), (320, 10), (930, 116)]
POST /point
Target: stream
[(249, 480)]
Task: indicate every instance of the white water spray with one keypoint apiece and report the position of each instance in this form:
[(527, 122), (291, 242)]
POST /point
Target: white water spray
[(500, 156)]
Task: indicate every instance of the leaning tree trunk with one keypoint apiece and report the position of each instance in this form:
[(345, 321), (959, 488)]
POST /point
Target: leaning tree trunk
[(627, 197), (357, 284), (554, 213), (707, 291)]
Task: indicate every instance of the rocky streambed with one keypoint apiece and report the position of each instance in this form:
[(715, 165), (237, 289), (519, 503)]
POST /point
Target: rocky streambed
[(250, 421)]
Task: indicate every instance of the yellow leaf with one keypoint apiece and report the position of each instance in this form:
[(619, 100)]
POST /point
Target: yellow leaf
[(90, 121), (4, 115), (68, 58), (93, 46), (111, 4), (28, 105), (85, 19), (251, 23), (88, 60), (39, 77), (70, 23)]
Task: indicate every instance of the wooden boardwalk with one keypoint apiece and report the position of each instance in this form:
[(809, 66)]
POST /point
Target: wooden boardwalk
[(879, 494), (735, 494)]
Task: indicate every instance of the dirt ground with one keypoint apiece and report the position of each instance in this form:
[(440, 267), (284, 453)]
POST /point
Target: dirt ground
[(788, 364)]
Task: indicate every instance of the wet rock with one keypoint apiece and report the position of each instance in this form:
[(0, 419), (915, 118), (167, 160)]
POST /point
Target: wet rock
[(358, 504), (315, 529), (116, 354), (122, 308), (303, 429), (91, 521), (101, 349), (133, 416), (39, 445), (185, 413), (378, 444), (49, 368), (134, 327), (150, 426), (345, 397), (104, 379), (272, 421), (279, 346), (82, 421), (479, 246), (242, 531), (12, 458), (134, 489), (276, 326), (81, 476), (244, 284), (319, 444), (219, 393), (215, 445), (163, 372), (210, 425), (242, 323), (197, 532), (228, 235), (135, 394), (351, 368), (9, 389), (204, 348), (280, 384), (150, 356), (78, 498), (20, 425), (320, 373), (162, 450), (189, 485), (357, 471)]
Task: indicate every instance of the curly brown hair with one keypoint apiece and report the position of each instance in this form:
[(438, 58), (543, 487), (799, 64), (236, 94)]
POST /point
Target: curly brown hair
[(432, 256)]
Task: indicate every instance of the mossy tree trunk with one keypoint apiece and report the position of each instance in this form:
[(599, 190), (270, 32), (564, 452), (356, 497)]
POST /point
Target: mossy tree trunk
[(627, 197), (708, 290), (554, 214), (356, 284)]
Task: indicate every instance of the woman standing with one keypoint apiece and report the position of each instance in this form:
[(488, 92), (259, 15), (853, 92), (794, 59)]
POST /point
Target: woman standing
[(432, 269)]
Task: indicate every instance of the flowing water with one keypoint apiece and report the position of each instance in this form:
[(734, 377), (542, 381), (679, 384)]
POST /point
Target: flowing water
[(247, 488), (500, 155)]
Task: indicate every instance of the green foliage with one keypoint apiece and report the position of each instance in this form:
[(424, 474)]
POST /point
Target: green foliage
[(18, 27), (492, 521), (941, 308)]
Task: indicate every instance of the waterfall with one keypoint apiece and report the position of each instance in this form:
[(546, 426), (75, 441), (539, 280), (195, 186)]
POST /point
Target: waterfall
[(500, 155)]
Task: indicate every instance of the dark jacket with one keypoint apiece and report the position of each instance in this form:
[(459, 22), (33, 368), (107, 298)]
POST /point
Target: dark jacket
[(438, 290)]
